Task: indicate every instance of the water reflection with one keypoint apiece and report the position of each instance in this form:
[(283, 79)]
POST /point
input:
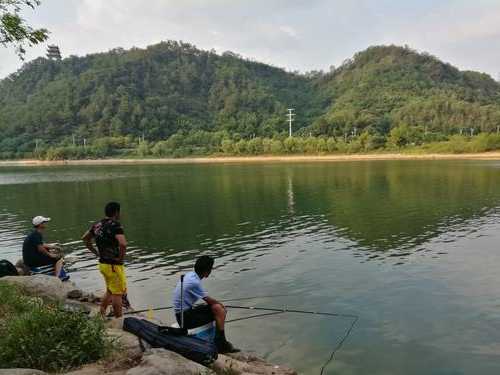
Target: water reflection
[(364, 238), (379, 210)]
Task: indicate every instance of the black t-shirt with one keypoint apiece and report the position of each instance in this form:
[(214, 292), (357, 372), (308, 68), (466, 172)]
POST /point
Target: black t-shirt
[(105, 232), (30, 245)]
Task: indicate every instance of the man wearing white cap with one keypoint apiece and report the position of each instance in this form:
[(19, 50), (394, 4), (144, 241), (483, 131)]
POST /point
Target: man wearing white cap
[(35, 252)]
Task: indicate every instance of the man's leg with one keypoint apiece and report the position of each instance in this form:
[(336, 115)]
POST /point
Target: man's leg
[(106, 300), (116, 300), (58, 267), (223, 345), (219, 316)]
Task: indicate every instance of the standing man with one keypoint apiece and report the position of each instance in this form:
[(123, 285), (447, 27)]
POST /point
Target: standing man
[(38, 254), (196, 316), (111, 248)]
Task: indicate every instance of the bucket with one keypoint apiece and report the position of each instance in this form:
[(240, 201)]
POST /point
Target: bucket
[(205, 332)]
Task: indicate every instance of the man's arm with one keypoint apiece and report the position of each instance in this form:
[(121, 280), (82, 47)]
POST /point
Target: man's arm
[(87, 239), (122, 243), (45, 250)]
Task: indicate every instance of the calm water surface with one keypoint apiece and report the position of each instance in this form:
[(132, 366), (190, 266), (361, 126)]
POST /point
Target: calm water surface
[(410, 247)]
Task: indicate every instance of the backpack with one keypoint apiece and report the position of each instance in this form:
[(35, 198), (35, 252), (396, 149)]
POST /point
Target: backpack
[(193, 348), (7, 269)]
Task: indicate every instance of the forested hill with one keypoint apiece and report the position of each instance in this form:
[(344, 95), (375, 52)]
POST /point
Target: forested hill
[(156, 92), (388, 86), (173, 89)]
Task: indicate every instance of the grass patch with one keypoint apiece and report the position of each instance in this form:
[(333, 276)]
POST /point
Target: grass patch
[(40, 335)]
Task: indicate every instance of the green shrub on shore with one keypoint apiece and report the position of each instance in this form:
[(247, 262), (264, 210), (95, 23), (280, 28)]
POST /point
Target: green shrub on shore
[(40, 335), (203, 143)]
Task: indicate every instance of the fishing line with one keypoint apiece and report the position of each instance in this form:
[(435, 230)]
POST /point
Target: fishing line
[(254, 316), (287, 310), (270, 311), (339, 345), (273, 311)]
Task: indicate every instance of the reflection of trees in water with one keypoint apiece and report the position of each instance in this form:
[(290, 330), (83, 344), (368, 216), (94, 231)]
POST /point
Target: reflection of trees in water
[(172, 213), (387, 206)]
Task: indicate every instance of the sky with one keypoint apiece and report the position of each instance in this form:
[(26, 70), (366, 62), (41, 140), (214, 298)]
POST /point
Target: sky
[(298, 35)]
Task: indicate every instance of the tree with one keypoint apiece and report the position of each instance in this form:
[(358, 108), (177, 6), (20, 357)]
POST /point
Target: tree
[(14, 29)]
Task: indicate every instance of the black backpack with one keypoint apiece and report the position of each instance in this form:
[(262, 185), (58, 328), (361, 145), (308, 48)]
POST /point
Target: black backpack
[(192, 348), (7, 269)]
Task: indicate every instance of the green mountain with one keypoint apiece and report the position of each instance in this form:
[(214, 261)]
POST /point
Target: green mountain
[(156, 92), (175, 89), (388, 86)]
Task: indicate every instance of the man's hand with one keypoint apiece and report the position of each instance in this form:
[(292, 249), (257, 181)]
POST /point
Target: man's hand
[(87, 240), (54, 255)]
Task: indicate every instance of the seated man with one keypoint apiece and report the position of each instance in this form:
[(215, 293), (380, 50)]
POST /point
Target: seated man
[(196, 316), (36, 253)]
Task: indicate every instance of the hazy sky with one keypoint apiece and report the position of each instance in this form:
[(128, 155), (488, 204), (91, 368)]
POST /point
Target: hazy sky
[(295, 34)]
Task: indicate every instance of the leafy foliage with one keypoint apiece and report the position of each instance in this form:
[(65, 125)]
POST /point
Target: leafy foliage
[(388, 86), (39, 335), (172, 99), (14, 30)]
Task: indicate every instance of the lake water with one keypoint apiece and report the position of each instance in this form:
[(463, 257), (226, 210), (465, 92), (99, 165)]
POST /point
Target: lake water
[(412, 247)]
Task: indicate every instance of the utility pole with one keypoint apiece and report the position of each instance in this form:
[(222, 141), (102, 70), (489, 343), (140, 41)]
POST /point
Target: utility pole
[(290, 115), (74, 142)]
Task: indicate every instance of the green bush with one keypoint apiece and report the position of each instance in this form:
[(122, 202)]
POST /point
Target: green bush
[(276, 147), (227, 146), (41, 335)]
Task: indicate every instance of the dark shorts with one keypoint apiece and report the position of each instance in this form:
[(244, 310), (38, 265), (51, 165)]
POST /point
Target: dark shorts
[(196, 317), (38, 260)]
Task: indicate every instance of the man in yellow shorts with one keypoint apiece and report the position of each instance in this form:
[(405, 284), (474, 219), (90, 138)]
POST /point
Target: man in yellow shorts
[(111, 248)]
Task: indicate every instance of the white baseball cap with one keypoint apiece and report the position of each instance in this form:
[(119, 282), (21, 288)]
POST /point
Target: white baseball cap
[(37, 220)]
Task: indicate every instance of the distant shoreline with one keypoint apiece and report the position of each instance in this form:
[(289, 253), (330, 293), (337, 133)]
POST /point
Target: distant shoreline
[(256, 159)]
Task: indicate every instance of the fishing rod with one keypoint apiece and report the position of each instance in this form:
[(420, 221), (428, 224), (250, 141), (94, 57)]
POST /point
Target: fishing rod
[(287, 310), (254, 316), (270, 311), (223, 300)]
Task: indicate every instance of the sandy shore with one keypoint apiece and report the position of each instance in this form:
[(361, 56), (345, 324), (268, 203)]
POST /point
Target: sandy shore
[(261, 159)]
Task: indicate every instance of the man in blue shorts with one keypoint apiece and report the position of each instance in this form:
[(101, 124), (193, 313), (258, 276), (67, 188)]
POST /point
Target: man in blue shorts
[(196, 316), (35, 252)]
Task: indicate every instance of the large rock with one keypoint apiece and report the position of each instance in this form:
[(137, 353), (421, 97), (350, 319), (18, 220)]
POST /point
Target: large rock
[(246, 364), (164, 362), (42, 286), (129, 345), (114, 323), (21, 371), (94, 369)]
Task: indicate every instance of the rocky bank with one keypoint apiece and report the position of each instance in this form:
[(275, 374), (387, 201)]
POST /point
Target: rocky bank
[(130, 358)]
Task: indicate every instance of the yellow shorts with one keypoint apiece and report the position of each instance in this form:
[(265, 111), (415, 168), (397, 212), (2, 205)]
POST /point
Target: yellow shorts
[(114, 275)]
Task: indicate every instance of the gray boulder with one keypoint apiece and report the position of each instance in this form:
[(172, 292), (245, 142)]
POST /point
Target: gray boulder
[(95, 370), (246, 364), (164, 362), (129, 345), (42, 286), (21, 371)]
